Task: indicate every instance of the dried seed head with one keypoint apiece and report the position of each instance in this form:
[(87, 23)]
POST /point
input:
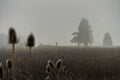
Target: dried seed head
[(48, 69), (12, 36), (71, 74), (30, 40), (47, 78), (51, 64), (9, 63), (1, 71), (59, 64), (64, 68)]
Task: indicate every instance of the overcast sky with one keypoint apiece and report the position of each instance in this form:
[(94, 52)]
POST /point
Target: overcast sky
[(55, 20)]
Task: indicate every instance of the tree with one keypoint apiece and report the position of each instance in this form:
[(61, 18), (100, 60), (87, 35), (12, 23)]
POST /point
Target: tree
[(84, 34), (13, 40), (107, 40), (30, 44)]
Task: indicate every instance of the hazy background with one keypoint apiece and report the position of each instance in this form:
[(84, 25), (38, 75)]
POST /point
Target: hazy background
[(55, 20)]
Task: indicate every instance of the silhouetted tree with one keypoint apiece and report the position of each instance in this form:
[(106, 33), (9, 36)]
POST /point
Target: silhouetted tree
[(13, 40), (84, 34), (30, 44), (107, 40)]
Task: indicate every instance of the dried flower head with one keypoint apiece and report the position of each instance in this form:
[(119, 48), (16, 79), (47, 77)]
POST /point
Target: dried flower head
[(9, 63), (47, 78), (48, 69), (71, 74), (1, 71), (64, 69), (59, 64), (30, 40), (51, 64), (12, 36)]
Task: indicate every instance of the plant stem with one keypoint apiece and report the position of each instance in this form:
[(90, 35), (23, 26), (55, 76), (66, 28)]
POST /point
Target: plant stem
[(30, 66), (13, 69)]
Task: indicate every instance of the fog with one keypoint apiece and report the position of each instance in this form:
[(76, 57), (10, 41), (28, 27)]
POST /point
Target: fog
[(54, 21)]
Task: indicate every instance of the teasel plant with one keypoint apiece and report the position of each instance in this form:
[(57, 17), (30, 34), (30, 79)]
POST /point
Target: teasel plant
[(30, 44), (9, 68), (12, 39), (1, 71), (47, 78), (55, 70)]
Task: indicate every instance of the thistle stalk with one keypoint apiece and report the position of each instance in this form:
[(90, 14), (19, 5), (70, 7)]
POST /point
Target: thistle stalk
[(30, 44), (13, 40)]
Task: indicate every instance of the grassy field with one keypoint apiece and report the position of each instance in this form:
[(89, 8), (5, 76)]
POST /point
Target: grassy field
[(82, 63)]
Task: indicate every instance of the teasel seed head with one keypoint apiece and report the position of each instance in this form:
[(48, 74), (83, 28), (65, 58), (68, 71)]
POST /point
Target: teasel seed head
[(9, 63), (30, 41), (1, 71), (12, 36), (48, 70), (51, 64), (47, 78), (71, 74), (59, 64), (64, 69)]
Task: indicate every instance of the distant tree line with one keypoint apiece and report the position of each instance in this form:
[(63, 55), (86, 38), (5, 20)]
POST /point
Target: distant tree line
[(84, 35)]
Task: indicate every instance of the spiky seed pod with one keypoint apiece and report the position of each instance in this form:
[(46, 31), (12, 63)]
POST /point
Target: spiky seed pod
[(51, 64), (12, 36), (30, 40), (1, 71), (9, 63), (59, 64), (47, 78), (48, 69)]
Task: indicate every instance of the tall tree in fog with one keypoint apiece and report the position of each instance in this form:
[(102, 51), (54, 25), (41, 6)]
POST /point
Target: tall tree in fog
[(107, 40), (30, 44), (13, 40), (84, 34)]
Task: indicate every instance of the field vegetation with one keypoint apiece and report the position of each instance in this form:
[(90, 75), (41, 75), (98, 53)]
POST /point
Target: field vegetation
[(80, 63)]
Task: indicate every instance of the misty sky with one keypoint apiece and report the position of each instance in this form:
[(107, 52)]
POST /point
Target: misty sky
[(55, 20)]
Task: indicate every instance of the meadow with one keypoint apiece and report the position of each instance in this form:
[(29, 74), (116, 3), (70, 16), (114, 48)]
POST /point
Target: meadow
[(85, 63)]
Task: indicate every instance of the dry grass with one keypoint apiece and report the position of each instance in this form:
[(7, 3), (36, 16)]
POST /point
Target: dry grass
[(83, 63)]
